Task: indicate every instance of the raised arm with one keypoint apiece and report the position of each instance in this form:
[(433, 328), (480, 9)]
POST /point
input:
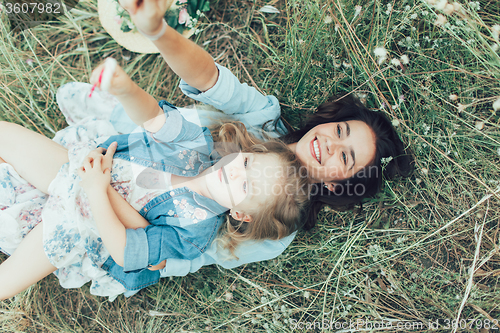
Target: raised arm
[(140, 106), (192, 63)]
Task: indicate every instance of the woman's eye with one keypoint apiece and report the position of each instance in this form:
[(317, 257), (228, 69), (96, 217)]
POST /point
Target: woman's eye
[(339, 130), (245, 163), (245, 187), (344, 158)]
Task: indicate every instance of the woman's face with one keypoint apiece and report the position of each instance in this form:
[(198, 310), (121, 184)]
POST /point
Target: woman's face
[(336, 151)]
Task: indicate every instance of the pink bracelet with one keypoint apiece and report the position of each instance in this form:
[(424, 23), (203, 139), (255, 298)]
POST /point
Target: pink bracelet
[(158, 35)]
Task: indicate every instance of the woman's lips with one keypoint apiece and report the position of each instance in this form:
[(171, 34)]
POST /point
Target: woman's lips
[(313, 151)]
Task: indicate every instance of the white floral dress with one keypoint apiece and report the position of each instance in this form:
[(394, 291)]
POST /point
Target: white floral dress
[(71, 240), (70, 237)]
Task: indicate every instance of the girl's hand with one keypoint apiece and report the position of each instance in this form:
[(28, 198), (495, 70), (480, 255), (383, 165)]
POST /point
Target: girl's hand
[(96, 170), (147, 15), (121, 84), (107, 159)]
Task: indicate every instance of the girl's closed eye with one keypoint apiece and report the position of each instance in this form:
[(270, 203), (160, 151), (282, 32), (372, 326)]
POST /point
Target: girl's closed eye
[(244, 187), (245, 163)]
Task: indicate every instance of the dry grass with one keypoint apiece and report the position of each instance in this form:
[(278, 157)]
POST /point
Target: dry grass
[(425, 249)]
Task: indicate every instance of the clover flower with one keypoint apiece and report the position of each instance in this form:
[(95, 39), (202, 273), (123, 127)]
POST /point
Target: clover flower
[(357, 10), (441, 5), (495, 31), (449, 9), (453, 97), (396, 62), (328, 19), (441, 20), (496, 105), (475, 5), (381, 54), (404, 59)]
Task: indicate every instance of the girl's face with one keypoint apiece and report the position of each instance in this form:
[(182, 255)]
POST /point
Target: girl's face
[(336, 151), (244, 181)]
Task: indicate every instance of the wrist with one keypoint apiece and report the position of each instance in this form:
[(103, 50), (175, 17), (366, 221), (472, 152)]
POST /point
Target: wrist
[(129, 91), (96, 193), (160, 31)]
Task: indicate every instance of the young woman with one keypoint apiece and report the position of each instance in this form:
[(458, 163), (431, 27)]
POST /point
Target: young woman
[(177, 181), (341, 145)]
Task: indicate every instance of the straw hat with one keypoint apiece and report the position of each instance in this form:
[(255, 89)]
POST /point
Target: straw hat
[(132, 41)]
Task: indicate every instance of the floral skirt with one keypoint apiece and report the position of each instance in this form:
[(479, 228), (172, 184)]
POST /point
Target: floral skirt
[(71, 241)]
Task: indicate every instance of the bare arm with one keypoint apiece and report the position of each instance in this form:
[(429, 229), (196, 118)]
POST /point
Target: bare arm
[(192, 63), (140, 106)]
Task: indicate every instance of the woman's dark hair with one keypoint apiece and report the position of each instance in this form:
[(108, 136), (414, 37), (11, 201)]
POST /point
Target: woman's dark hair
[(367, 182)]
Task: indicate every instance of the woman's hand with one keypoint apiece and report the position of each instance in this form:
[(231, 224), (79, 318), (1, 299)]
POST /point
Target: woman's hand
[(121, 84), (96, 170), (147, 15)]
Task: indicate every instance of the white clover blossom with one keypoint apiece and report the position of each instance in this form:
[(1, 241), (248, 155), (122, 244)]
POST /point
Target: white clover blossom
[(385, 160), (395, 62), (441, 4), (449, 9), (404, 59), (389, 9), (357, 10), (475, 5), (380, 52), (328, 19), (496, 105), (495, 31), (441, 20), (453, 97), (395, 122), (498, 151), (413, 16)]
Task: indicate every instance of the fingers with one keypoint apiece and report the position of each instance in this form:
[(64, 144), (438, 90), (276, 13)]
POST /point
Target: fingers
[(96, 73), (130, 6), (107, 160), (81, 172), (111, 149), (97, 163), (87, 163)]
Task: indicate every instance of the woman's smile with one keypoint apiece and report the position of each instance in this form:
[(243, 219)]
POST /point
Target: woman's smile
[(315, 149)]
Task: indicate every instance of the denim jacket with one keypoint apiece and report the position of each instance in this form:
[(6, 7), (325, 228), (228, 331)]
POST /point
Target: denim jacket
[(183, 223), (240, 102)]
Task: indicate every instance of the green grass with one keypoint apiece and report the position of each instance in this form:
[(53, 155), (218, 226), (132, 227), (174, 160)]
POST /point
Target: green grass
[(406, 255)]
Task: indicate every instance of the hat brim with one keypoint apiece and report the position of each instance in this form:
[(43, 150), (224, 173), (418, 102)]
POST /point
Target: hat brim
[(132, 41)]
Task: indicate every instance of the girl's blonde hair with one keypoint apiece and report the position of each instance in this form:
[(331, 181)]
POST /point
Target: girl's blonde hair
[(281, 216)]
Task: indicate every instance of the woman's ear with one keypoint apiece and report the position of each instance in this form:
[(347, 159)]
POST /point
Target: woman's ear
[(329, 185), (237, 215)]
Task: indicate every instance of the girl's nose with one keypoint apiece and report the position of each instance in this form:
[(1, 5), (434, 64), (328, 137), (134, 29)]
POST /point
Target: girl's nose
[(234, 172)]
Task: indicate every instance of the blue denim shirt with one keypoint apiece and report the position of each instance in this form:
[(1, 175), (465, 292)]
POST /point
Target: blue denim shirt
[(183, 223), (240, 102)]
